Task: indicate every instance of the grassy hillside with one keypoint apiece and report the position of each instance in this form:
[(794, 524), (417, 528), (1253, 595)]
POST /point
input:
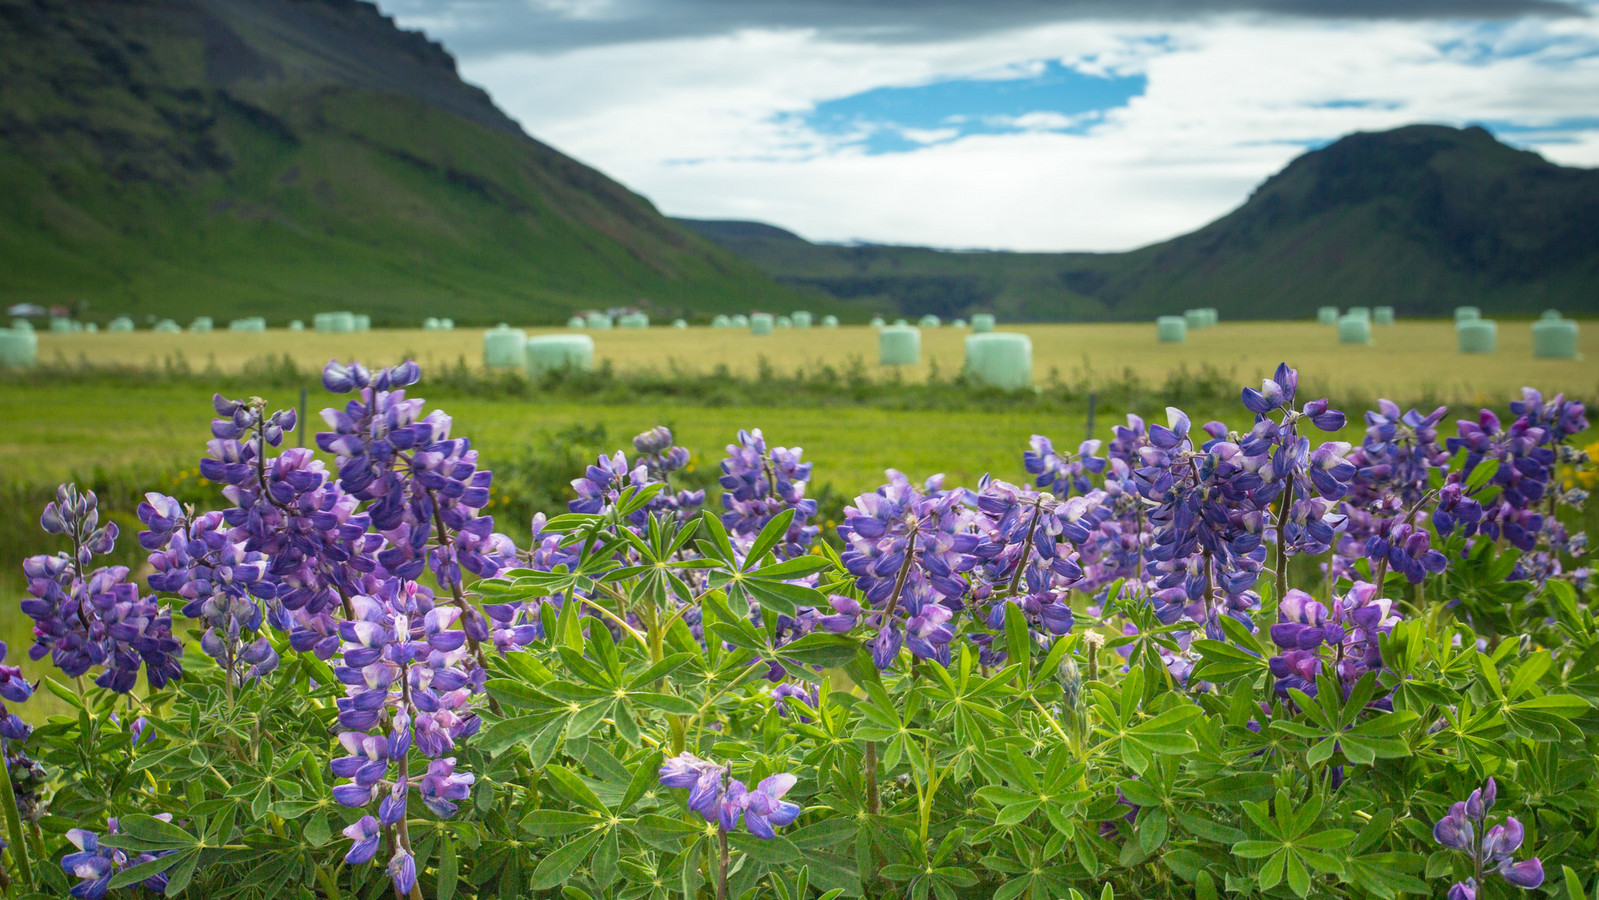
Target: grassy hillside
[(279, 157), (1422, 218)]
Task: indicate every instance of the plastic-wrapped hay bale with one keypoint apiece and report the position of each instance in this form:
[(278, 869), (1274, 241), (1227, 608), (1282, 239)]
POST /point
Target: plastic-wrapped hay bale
[(296, 325), (120, 323), (800, 318), (1550, 314), (761, 324), (91, 327), (783, 322), (1477, 335), (555, 352), (60, 325), (829, 321), (21, 325), (930, 321), (363, 322), (899, 345), (1382, 315), (958, 323), (1327, 315), (1212, 317), (431, 323), (202, 324), (721, 321), (502, 347), (740, 321), (1195, 318), (901, 323), (1554, 339), (1360, 312), (335, 322), (167, 326), (633, 321), (679, 323), (577, 322), (19, 348), (877, 322), (1467, 314), (982, 323), (1000, 360), (446, 324), (599, 321), (1171, 329), (1354, 330)]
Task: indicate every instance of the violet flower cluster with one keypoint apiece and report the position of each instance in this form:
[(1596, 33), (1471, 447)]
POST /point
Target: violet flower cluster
[(758, 483), (85, 618), (724, 802), (95, 865), (1350, 630), (13, 687), (408, 677), (1491, 849)]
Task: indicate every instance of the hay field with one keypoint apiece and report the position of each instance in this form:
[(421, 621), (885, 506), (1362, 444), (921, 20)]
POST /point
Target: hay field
[(1408, 359)]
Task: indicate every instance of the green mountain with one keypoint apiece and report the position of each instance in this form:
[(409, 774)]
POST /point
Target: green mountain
[(1421, 218), (280, 157)]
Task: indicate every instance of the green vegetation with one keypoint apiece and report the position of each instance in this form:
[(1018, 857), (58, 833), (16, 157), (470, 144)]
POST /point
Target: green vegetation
[(1420, 218)]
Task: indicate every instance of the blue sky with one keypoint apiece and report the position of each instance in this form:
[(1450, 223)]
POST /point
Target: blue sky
[(1018, 124)]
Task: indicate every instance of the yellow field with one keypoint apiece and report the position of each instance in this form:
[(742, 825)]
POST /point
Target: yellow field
[(1408, 359)]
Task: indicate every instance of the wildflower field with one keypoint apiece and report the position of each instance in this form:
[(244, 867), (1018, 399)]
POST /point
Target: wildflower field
[(515, 639)]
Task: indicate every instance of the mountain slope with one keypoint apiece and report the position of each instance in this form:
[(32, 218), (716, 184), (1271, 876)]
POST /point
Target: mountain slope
[(1422, 218), (231, 157)]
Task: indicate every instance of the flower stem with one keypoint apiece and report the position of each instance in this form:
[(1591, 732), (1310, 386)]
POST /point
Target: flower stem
[(873, 802), (19, 845), (721, 865)]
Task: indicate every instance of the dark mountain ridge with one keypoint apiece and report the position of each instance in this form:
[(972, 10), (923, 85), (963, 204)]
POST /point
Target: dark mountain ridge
[(1422, 218), (227, 157)]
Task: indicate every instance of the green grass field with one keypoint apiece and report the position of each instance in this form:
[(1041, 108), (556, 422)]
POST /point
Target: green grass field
[(1408, 360)]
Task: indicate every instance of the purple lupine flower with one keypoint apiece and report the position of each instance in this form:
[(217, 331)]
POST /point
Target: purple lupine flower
[(94, 865), (765, 809), (1025, 555), (702, 779), (1491, 848), (761, 810), (1351, 627), (758, 483), (1063, 475), (83, 618), (364, 835)]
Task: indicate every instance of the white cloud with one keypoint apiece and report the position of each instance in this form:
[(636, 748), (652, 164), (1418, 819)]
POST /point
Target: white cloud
[(713, 127)]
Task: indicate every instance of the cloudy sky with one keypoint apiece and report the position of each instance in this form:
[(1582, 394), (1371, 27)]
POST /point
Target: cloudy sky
[(1015, 124)]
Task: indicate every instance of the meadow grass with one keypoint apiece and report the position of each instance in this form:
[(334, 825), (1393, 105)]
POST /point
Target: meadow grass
[(1410, 359)]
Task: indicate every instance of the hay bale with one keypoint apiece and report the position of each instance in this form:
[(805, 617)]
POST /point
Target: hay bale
[(167, 326), (60, 325), (21, 325), (1382, 315), (901, 323), (557, 352), (899, 345), (1550, 314), (202, 325), (1212, 317), (877, 322), (783, 322), (740, 321), (1171, 329), (431, 323), (801, 319), (1327, 315), (679, 323), (721, 321), (930, 321), (1354, 330), (1477, 335), (1195, 318), (1360, 312), (599, 321), (761, 324), (829, 321), (577, 322), (1000, 360), (296, 325), (363, 322), (120, 323), (502, 347), (982, 323), (1554, 339), (633, 321), (19, 348), (446, 324), (1467, 314), (91, 327), (335, 322)]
